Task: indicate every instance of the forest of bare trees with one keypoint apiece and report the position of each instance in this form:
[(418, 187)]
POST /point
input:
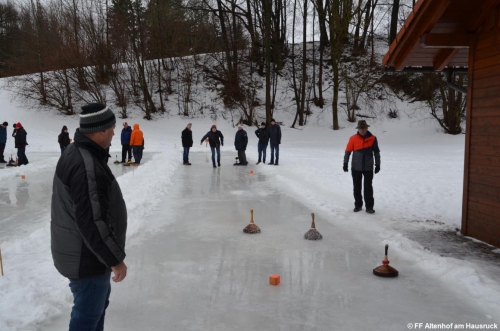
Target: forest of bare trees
[(139, 52)]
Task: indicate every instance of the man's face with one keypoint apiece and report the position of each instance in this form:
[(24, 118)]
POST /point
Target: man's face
[(263, 126), (272, 123), (108, 136), (214, 129), (240, 128), (362, 131), (189, 127)]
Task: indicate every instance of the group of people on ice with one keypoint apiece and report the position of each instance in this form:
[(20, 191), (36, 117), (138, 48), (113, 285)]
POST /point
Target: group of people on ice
[(20, 143), (132, 143), (89, 218), (267, 136)]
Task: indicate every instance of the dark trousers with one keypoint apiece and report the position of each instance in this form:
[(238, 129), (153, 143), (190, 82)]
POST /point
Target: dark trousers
[(275, 147), (261, 147), (242, 157), (2, 149), (137, 150), (185, 156), (213, 154), (357, 178), (126, 151), (90, 300), (21, 156)]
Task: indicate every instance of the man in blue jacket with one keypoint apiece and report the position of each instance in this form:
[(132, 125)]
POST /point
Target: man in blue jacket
[(126, 133), (3, 140)]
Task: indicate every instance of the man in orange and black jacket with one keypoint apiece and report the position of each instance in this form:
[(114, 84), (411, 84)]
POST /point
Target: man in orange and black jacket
[(364, 147)]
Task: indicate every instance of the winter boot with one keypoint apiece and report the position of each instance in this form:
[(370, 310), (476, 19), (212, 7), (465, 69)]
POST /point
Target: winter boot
[(356, 209), (370, 211)]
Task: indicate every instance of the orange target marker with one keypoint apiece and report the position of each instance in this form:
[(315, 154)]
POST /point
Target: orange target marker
[(251, 172), (274, 279)]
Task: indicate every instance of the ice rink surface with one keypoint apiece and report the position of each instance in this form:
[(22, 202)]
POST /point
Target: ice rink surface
[(197, 270), (24, 203)]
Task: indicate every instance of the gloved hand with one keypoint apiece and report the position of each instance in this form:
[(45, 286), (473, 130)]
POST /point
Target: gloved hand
[(377, 169), (345, 167)]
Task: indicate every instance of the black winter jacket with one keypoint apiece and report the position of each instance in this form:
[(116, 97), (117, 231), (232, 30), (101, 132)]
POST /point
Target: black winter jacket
[(275, 134), (20, 138), (88, 214), (187, 138), (241, 140), (63, 139), (215, 139), (263, 135)]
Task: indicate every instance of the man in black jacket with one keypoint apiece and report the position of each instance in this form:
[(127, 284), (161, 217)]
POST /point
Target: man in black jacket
[(240, 143), (63, 138), (88, 219), (275, 141), (187, 143), (263, 136), (20, 141), (216, 140)]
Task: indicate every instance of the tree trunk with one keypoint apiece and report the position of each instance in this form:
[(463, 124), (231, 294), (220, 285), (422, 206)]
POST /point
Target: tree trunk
[(394, 21), (304, 65), (267, 42)]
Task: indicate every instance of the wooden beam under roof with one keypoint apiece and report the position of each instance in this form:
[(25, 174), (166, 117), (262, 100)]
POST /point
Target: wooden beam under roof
[(447, 40), (444, 57), (419, 26)]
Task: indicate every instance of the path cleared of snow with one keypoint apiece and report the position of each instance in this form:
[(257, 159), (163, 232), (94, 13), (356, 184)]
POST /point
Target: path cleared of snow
[(194, 268)]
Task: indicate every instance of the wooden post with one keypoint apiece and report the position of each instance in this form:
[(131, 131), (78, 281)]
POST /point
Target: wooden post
[(1, 264)]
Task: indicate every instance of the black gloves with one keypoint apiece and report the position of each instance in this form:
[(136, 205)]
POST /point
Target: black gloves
[(345, 167), (377, 169)]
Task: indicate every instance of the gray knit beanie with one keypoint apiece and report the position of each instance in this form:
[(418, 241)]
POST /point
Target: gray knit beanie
[(95, 117)]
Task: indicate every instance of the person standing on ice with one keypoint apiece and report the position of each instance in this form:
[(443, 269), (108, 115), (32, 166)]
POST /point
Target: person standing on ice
[(137, 143), (88, 219), (240, 143), (14, 131), (364, 147), (3, 140), (63, 138), (216, 140), (20, 144), (263, 136), (275, 141), (125, 137), (187, 143)]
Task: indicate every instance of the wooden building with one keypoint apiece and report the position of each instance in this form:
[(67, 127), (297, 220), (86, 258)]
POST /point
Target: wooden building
[(454, 35)]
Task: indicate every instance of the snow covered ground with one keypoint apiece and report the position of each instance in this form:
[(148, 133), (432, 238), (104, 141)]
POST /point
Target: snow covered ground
[(191, 267)]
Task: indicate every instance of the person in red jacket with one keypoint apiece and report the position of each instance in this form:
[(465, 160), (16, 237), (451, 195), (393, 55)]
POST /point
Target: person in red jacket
[(364, 147), (137, 144)]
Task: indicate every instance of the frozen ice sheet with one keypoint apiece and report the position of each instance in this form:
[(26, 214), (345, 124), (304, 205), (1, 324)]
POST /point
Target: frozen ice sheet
[(25, 203), (199, 271)]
